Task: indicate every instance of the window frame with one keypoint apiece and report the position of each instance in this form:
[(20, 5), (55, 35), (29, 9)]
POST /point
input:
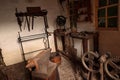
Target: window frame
[(106, 16)]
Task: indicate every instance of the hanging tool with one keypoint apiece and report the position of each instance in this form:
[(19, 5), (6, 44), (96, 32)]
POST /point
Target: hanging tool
[(46, 22), (33, 11), (19, 19), (29, 17), (61, 21), (28, 23), (61, 3), (32, 22)]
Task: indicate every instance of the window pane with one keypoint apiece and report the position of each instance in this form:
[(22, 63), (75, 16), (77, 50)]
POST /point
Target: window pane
[(112, 22), (113, 2), (101, 22), (112, 11), (102, 3), (101, 12)]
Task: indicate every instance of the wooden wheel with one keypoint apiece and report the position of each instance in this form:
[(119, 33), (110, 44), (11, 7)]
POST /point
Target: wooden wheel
[(112, 68), (90, 61)]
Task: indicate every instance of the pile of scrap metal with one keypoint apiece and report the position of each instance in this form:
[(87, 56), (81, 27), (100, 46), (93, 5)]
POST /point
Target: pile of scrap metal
[(92, 66), (102, 67)]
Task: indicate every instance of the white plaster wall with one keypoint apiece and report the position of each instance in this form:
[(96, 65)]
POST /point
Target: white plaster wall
[(9, 27)]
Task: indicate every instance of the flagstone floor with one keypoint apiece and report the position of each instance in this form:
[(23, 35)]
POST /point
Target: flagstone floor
[(66, 71)]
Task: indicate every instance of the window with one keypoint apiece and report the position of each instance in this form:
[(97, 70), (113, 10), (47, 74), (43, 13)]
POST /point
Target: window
[(107, 14)]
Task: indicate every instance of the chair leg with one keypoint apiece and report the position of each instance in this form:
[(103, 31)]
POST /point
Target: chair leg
[(55, 75)]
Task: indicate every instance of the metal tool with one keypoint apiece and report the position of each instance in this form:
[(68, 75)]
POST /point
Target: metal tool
[(19, 19), (32, 22), (28, 22)]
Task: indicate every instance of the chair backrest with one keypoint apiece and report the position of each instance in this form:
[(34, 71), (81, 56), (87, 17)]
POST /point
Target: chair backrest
[(42, 60)]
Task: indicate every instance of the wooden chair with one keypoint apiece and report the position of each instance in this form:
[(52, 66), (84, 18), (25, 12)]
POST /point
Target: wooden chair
[(44, 68)]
